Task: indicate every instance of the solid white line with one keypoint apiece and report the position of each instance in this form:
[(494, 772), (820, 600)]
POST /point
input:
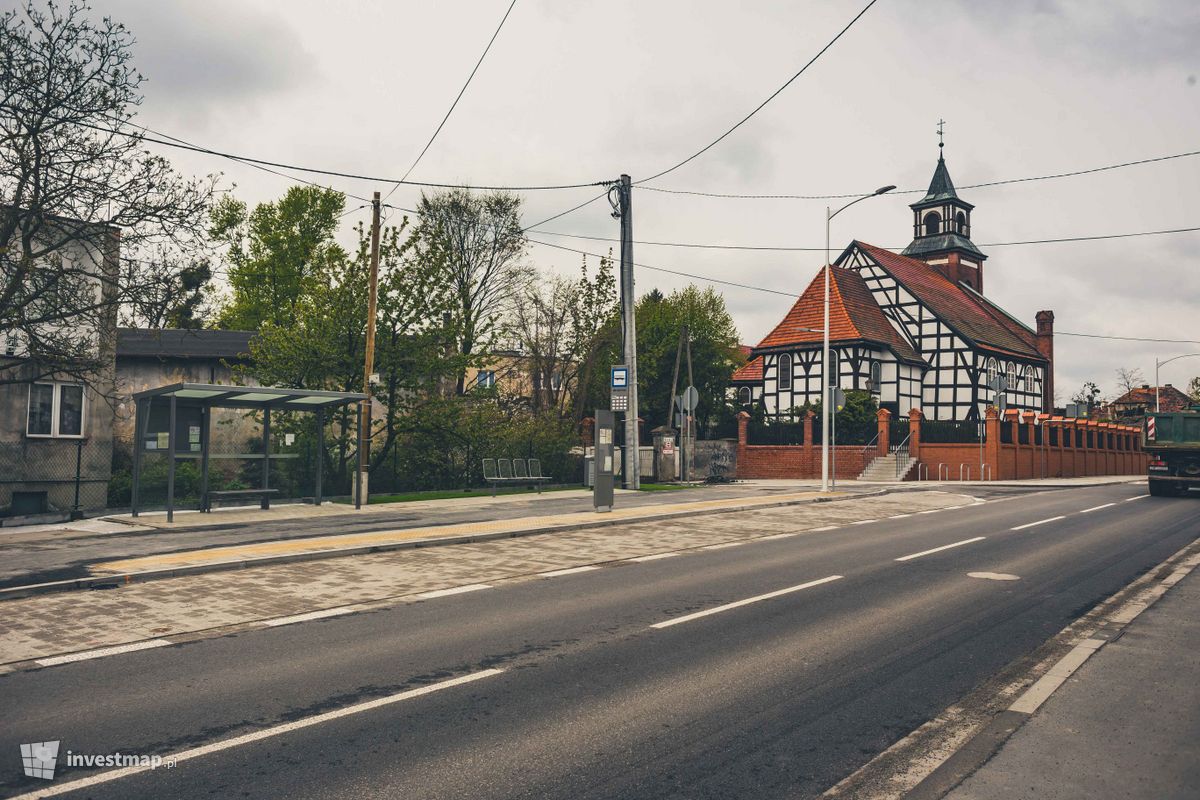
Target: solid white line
[(899, 516), (940, 549), (322, 614), (864, 521), (1039, 522), (738, 604), (826, 528), (722, 546), (474, 587), (654, 557), (1131, 499), (266, 733), (776, 536), (930, 511), (102, 652), (570, 571), (1096, 508)]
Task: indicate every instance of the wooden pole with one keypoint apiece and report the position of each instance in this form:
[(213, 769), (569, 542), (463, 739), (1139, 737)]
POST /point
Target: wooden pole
[(364, 431)]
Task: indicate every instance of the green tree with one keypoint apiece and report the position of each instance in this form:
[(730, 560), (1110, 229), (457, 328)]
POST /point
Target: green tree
[(482, 241), (273, 249)]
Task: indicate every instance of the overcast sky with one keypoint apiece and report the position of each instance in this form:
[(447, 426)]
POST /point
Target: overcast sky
[(575, 92)]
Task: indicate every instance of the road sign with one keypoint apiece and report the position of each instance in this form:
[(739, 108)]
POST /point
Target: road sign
[(999, 383), (619, 386), (688, 400), (620, 377)]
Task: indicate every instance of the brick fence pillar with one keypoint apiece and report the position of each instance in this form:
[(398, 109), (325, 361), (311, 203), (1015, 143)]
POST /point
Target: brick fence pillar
[(914, 433), (991, 441), (884, 417), (743, 423), (808, 429)]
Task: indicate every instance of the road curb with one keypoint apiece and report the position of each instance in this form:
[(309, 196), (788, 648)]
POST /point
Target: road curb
[(100, 582)]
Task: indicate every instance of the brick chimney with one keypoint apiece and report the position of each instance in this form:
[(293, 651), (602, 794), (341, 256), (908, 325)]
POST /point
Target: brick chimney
[(1045, 346)]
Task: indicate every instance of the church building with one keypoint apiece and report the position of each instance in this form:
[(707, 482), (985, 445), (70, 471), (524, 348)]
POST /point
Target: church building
[(913, 328)]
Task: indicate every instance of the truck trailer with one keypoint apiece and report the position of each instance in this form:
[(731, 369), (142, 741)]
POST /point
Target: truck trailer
[(1172, 441)]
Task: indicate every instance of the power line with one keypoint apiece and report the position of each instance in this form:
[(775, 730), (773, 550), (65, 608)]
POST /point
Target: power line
[(1126, 338), (761, 105), (569, 210), (456, 99), (699, 246), (171, 141), (1005, 182)]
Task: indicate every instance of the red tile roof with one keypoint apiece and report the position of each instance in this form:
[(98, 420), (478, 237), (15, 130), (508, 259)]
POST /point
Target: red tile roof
[(973, 316), (1171, 399), (853, 315), (752, 370)]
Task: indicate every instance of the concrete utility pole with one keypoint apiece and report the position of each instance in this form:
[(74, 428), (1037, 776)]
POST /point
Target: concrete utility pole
[(364, 427), (623, 210), (1159, 365)]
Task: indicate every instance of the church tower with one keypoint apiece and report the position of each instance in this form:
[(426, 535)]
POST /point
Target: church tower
[(942, 230)]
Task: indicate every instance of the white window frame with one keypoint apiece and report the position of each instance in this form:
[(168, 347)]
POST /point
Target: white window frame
[(55, 408), (485, 378), (791, 378)]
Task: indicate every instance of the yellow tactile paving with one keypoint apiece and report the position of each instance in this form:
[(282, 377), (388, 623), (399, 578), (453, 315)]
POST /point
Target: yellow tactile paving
[(322, 543)]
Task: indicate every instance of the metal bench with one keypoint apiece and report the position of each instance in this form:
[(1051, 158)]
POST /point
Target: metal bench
[(230, 494), (532, 474), (535, 472), (492, 473)]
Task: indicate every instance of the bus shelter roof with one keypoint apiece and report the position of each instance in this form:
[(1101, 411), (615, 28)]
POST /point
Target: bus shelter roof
[(221, 396)]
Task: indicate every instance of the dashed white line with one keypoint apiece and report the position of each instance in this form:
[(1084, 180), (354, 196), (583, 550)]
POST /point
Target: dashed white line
[(722, 546), (1096, 508), (259, 735), (1131, 499), (654, 557), (474, 587), (826, 528), (899, 516), (911, 556), (776, 536), (569, 571), (930, 511), (322, 614), (102, 652), (864, 521), (1039, 522), (738, 604)]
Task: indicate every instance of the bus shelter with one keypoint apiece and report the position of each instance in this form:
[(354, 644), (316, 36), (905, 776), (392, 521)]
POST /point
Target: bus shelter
[(177, 420)]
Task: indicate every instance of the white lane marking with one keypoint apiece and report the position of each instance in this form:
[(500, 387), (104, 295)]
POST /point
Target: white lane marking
[(1131, 499), (776, 536), (994, 576), (864, 521), (102, 652), (474, 587), (322, 614), (911, 556), (1096, 508), (569, 571), (722, 546), (826, 528), (1044, 687), (739, 603), (1039, 522), (266, 733), (654, 557), (899, 516), (930, 511)]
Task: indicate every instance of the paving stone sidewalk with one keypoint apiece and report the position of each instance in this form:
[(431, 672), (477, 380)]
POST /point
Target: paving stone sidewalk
[(38, 627)]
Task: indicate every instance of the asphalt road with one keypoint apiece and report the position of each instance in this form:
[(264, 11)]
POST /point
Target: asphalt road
[(568, 689)]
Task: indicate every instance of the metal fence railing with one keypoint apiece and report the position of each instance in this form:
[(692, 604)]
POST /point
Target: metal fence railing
[(39, 476), (777, 431), (950, 431)]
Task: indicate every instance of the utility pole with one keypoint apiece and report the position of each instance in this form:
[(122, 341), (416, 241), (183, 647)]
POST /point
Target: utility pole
[(364, 427), (623, 210)]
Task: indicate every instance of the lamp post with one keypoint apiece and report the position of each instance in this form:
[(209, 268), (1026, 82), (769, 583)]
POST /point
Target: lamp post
[(825, 384), (1157, 365)]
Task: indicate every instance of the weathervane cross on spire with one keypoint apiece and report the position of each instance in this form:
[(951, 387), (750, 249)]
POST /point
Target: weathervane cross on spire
[(941, 130)]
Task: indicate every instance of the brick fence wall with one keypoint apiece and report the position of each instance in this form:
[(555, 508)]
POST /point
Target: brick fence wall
[(1028, 446)]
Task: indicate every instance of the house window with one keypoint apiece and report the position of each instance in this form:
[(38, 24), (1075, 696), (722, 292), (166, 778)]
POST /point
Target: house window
[(55, 409), (785, 372), (933, 223), (1012, 377), (876, 376), (744, 395), (993, 371), (960, 220), (1030, 383), (485, 378)]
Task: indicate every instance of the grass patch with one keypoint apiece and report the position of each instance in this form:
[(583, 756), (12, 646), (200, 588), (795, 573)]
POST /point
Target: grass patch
[(450, 494)]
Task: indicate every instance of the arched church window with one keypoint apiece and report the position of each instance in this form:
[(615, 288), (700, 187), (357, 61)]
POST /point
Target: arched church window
[(993, 370), (785, 371), (960, 223), (933, 223), (744, 395), (1012, 376), (876, 375), (1030, 381)]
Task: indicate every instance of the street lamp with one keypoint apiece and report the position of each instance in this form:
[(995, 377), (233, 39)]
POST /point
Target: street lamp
[(1157, 365), (825, 349)]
